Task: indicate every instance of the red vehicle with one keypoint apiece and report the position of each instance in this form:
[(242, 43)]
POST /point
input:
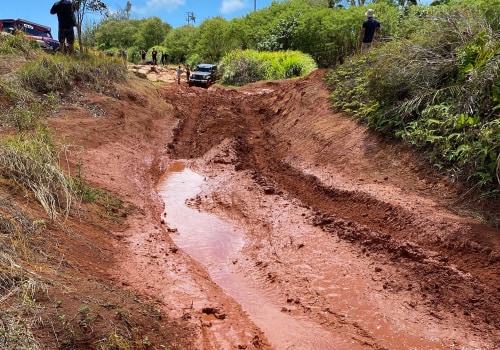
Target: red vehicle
[(38, 32)]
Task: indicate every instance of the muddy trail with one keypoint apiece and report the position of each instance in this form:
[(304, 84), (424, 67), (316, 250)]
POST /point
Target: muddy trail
[(343, 240)]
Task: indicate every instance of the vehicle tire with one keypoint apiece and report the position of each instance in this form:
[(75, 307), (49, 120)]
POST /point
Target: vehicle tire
[(207, 85)]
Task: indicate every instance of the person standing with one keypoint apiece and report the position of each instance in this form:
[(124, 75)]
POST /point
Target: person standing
[(154, 53), (370, 31), (188, 72), (143, 56), (179, 72), (164, 58), (66, 18), (124, 56)]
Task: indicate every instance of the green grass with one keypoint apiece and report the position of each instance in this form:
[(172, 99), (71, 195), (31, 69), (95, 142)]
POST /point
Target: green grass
[(57, 73), (18, 45)]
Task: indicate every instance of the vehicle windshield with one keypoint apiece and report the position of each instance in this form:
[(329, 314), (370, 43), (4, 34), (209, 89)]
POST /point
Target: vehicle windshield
[(34, 32), (204, 69), (7, 26)]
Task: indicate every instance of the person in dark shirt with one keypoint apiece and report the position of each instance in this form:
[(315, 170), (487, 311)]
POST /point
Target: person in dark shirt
[(66, 17), (154, 53), (370, 31), (164, 58)]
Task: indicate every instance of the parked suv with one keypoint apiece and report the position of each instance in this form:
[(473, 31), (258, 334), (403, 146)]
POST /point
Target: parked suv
[(40, 33), (204, 75)]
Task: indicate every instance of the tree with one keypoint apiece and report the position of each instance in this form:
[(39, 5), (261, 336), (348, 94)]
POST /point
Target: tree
[(215, 39), (121, 14), (152, 32), (282, 36), (117, 34), (348, 3), (82, 7), (180, 42), (89, 32), (403, 3), (128, 8)]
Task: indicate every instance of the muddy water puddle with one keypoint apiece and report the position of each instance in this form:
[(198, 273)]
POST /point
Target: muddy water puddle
[(215, 244)]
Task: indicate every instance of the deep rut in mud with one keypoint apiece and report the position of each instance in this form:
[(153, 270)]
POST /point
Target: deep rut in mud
[(366, 252)]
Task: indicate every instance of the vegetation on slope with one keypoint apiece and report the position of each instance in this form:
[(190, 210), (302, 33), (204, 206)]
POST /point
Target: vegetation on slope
[(433, 82), (436, 86), (326, 34)]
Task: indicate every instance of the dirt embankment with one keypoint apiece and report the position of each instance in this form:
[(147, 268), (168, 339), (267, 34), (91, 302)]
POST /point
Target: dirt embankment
[(345, 233)]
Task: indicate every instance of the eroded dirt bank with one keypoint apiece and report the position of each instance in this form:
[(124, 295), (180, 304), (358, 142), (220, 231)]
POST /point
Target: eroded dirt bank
[(340, 229)]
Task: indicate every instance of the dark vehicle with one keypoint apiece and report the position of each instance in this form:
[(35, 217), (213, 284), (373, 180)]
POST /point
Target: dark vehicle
[(40, 33), (204, 75)]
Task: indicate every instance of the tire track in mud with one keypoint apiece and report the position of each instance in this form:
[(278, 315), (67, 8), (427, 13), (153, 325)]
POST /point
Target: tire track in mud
[(388, 231), (377, 227)]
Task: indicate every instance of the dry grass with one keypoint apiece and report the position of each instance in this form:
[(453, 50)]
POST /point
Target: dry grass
[(20, 235), (33, 163)]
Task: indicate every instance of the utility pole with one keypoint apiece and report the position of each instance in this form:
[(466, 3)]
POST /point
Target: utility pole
[(254, 5), (128, 8), (190, 17)]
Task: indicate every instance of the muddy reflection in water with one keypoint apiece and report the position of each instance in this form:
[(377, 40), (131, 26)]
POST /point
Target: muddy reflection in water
[(215, 243)]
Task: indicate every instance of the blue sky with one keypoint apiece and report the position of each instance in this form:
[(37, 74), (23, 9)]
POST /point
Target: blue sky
[(171, 11)]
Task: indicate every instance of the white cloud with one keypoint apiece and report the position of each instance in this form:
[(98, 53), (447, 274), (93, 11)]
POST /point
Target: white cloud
[(153, 6), (229, 6)]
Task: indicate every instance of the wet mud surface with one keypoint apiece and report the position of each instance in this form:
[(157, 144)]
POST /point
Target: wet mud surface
[(342, 233), (263, 220)]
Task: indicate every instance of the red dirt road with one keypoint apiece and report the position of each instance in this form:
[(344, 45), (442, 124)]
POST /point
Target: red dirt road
[(345, 241)]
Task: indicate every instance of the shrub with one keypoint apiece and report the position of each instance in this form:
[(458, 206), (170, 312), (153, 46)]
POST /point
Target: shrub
[(193, 60), (26, 112), (239, 68), (248, 66), (18, 45)]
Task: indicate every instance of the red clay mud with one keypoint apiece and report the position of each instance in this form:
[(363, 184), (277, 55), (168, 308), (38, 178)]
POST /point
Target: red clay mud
[(344, 240)]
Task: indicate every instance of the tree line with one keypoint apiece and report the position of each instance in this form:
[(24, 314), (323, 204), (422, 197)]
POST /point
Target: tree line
[(326, 30)]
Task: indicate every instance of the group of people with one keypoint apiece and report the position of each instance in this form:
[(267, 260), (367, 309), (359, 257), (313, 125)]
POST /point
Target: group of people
[(179, 73), (154, 57)]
